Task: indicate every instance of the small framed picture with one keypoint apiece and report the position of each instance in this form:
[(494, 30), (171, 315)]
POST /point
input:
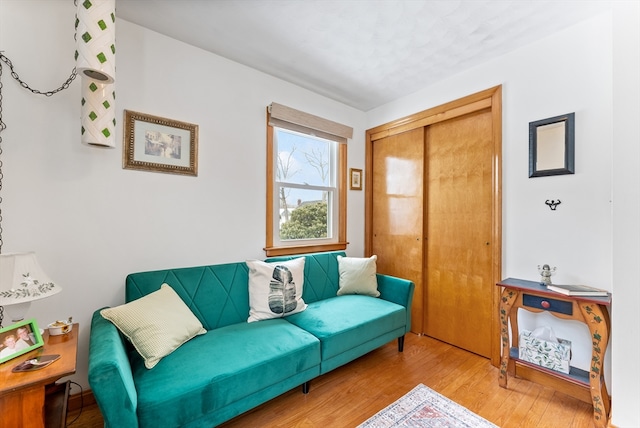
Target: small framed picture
[(18, 339), (355, 179), (153, 143)]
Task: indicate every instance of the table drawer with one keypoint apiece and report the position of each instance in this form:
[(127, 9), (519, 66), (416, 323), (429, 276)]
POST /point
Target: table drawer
[(547, 304)]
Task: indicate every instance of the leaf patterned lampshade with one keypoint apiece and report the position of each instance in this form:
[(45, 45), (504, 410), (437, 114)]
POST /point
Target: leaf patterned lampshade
[(22, 280)]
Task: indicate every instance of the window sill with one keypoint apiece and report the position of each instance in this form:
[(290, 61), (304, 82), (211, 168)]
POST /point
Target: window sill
[(303, 249)]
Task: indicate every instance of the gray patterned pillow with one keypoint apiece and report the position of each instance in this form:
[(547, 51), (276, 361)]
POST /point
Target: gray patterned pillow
[(275, 289)]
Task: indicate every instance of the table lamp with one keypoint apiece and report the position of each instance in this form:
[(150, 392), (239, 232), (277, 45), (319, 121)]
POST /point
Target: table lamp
[(22, 281)]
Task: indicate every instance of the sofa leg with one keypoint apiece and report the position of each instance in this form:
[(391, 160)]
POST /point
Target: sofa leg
[(305, 387), (400, 343)]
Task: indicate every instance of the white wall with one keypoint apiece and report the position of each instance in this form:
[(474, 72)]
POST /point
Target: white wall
[(626, 212), (91, 222), (570, 71)]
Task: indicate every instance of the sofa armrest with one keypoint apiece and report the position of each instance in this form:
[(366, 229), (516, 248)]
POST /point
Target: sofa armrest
[(110, 374), (397, 290)]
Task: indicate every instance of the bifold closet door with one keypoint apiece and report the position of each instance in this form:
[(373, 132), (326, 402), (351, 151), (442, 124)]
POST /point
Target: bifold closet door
[(458, 207), (397, 209)]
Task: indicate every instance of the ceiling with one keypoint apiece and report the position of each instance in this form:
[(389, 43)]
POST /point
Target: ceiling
[(363, 53)]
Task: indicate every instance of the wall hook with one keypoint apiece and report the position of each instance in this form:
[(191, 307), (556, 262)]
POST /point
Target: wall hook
[(553, 203)]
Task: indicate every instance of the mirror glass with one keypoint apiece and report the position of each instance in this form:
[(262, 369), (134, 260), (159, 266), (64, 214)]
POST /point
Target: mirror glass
[(551, 146)]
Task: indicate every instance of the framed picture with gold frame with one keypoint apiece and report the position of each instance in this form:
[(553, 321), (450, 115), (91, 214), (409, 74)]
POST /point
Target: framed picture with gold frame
[(18, 339), (355, 179), (157, 144)]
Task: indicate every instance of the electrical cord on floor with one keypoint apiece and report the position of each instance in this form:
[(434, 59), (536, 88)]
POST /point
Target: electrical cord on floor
[(81, 403)]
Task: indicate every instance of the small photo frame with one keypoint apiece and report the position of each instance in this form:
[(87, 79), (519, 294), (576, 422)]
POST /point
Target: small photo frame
[(18, 339), (153, 143), (355, 179)]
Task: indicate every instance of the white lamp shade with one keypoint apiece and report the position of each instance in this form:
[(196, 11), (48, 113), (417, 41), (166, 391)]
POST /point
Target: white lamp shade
[(98, 114), (23, 280), (96, 38)]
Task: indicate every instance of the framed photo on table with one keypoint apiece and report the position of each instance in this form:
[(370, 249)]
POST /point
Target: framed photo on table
[(153, 143), (18, 339)]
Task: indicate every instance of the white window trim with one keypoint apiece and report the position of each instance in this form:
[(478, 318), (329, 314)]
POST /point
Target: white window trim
[(333, 208)]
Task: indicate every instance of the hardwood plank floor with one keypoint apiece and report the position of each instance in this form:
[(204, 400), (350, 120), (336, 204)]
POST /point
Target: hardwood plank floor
[(351, 394)]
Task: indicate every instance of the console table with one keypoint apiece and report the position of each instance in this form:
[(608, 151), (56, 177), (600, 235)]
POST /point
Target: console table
[(26, 397), (535, 297)]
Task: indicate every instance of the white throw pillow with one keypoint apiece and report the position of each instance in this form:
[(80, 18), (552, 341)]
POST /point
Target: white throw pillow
[(275, 289), (358, 276), (156, 324)]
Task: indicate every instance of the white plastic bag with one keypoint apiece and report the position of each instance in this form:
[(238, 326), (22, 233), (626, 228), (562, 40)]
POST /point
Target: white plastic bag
[(545, 333)]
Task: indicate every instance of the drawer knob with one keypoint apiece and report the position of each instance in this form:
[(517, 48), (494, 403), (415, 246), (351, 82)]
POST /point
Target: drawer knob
[(545, 304)]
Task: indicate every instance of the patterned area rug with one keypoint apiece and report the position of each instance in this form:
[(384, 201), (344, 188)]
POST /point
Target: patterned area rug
[(423, 407)]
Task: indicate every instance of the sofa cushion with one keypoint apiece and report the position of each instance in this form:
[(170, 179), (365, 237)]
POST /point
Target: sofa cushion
[(221, 367), (275, 289), (344, 322), (358, 276), (156, 324)]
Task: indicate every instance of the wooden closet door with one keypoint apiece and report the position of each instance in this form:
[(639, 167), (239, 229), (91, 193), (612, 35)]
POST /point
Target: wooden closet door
[(397, 207), (459, 281)]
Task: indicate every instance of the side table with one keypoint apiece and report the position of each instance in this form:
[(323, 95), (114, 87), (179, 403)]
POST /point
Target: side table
[(22, 395), (592, 311)]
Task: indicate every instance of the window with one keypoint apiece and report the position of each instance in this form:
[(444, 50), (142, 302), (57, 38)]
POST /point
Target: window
[(306, 176)]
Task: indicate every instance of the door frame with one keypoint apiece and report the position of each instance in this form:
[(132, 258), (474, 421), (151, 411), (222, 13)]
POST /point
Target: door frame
[(488, 99)]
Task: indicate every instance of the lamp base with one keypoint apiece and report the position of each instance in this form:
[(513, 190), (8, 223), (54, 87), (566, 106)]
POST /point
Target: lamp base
[(16, 312)]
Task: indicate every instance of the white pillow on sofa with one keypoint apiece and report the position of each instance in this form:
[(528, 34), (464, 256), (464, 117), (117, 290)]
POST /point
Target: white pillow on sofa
[(358, 276), (275, 289), (156, 324)]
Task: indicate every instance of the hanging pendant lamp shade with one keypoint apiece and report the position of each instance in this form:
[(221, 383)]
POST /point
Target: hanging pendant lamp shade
[(98, 114), (96, 35)]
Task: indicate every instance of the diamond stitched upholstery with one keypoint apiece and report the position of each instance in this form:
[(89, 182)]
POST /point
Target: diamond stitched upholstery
[(321, 278), (218, 295)]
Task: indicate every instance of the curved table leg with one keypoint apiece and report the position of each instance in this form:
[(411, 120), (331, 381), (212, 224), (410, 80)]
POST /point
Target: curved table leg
[(506, 302), (597, 319)]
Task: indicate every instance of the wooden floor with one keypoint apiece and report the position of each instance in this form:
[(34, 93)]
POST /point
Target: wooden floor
[(351, 394)]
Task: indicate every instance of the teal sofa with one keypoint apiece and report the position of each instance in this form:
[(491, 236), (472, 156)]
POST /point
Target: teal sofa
[(237, 365)]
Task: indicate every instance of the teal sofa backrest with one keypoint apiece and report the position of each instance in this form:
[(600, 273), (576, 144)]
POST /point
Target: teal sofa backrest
[(321, 276), (219, 294)]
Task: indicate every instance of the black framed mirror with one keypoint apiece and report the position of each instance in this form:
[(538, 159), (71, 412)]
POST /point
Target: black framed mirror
[(552, 146)]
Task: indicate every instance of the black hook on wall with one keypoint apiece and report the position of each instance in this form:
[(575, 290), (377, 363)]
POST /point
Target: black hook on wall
[(552, 203)]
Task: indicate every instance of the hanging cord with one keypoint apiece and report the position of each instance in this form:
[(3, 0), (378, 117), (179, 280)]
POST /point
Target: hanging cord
[(3, 126), (81, 403), (24, 84)]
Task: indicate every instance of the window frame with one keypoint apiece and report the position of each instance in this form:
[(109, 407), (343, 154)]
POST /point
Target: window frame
[(273, 246)]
